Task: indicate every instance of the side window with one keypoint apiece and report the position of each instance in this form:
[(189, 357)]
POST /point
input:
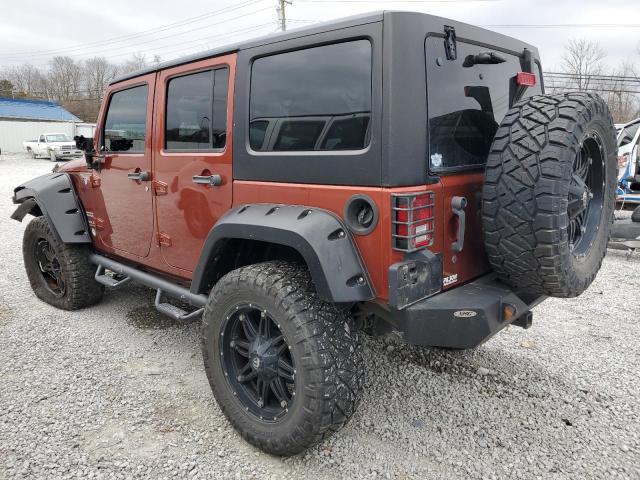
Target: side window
[(196, 116), (42, 140), (320, 97), (220, 93), (125, 128)]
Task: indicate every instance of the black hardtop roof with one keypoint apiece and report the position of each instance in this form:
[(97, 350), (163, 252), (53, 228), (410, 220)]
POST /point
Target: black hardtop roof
[(362, 19)]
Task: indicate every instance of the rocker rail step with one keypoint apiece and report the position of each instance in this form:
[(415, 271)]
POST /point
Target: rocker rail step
[(160, 284)]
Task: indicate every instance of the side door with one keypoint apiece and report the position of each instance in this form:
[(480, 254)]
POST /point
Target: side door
[(193, 155), (123, 215), (41, 146)]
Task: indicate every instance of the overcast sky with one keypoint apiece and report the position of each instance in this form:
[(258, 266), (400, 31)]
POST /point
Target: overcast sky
[(33, 31)]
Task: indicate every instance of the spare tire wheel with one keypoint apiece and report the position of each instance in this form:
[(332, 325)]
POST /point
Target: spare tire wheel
[(548, 197)]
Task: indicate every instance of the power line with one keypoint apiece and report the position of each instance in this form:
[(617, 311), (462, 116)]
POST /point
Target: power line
[(151, 31), (172, 35), (592, 75)]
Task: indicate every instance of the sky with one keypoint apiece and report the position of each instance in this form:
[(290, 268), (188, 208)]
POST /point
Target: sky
[(33, 31)]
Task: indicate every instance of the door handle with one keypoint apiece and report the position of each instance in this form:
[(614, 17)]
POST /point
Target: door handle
[(458, 204), (142, 176), (212, 180)]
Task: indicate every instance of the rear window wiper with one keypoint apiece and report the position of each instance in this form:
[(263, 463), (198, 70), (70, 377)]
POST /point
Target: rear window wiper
[(483, 58)]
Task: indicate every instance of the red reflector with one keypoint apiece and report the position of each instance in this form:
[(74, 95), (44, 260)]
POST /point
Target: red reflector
[(525, 79)]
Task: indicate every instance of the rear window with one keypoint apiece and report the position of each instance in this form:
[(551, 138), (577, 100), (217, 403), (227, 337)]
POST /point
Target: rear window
[(298, 98), (467, 102), (196, 116)]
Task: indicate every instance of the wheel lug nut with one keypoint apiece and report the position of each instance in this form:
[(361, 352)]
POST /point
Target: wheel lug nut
[(260, 403), (233, 344), (283, 403)]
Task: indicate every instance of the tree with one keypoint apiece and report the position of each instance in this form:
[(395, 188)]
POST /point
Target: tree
[(624, 106), (26, 79), (137, 62), (97, 72), (582, 58), (6, 88), (64, 78)]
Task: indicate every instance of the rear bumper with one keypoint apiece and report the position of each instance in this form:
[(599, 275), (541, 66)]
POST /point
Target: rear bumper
[(463, 317)]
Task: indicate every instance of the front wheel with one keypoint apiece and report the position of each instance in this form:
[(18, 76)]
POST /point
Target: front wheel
[(284, 366), (60, 274)]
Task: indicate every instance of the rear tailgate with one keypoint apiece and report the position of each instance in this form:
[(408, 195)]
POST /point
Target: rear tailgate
[(467, 100)]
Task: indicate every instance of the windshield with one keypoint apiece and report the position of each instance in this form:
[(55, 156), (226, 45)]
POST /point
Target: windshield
[(467, 102), (58, 137)]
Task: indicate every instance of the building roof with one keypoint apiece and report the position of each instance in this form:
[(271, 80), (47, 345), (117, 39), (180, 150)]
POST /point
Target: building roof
[(28, 109)]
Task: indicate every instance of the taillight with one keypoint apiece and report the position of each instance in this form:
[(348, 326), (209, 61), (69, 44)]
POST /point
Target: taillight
[(412, 221), (525, 79)]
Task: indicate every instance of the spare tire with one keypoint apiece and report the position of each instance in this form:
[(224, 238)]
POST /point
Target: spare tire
[(548, 196)]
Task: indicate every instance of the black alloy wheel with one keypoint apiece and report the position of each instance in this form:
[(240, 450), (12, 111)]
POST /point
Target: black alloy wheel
[(59, 273), (284, 366), (257, 362), (49, 266), (585, 194)]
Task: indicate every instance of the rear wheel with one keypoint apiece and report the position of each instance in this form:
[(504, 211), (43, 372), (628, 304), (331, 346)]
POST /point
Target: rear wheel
[(284, 366), (60, 274), (548, 197), (31, 153)]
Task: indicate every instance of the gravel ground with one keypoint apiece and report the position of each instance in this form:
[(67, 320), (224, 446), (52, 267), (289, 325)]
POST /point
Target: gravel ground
[(119, 391)]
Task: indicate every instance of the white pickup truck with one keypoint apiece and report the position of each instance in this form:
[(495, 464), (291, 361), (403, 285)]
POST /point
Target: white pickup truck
[(54, 146)]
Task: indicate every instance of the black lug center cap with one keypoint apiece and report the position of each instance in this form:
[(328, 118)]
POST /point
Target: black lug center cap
[(263, 358), (579, 196)]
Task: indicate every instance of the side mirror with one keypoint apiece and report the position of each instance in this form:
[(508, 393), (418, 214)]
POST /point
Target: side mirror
[(86, 145)]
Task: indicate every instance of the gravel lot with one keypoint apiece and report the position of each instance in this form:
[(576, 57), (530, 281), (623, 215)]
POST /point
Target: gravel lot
[(119, 391)]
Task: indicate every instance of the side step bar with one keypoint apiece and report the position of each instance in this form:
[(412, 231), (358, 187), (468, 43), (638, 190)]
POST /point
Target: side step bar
[(160, 284)]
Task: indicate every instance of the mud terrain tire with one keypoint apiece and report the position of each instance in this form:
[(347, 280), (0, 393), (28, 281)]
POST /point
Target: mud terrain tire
[(60, 274), (548, 197), (323, 347)]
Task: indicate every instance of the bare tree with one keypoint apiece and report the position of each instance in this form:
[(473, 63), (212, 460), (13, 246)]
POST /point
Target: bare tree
[(97, 72), (26, 79), (582, 59), (64, 78), (137, 62)]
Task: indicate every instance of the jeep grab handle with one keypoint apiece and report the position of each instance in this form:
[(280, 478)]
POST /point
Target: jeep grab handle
[(212, 180), (139, 176), (458, 204)]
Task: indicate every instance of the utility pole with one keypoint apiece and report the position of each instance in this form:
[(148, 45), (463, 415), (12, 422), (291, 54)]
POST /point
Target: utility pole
[(282, 18)]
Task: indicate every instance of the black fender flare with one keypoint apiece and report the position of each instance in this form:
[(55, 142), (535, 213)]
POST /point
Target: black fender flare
[(55, 197), (318, 235)]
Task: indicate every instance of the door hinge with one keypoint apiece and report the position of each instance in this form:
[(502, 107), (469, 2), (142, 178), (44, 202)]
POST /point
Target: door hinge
[(164, 240), (94, 180), (450, 47), (160, 188)]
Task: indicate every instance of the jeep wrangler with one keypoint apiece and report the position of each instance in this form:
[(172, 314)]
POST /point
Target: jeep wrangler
[(387, 172)]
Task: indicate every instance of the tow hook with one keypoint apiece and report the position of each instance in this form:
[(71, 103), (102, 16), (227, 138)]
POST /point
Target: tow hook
[(458, 204)]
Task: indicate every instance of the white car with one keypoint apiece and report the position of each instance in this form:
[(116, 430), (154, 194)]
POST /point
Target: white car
[(629, 163), (55, 146)]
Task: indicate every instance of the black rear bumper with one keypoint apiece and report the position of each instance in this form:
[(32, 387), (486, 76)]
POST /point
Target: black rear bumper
[(465, 316)]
